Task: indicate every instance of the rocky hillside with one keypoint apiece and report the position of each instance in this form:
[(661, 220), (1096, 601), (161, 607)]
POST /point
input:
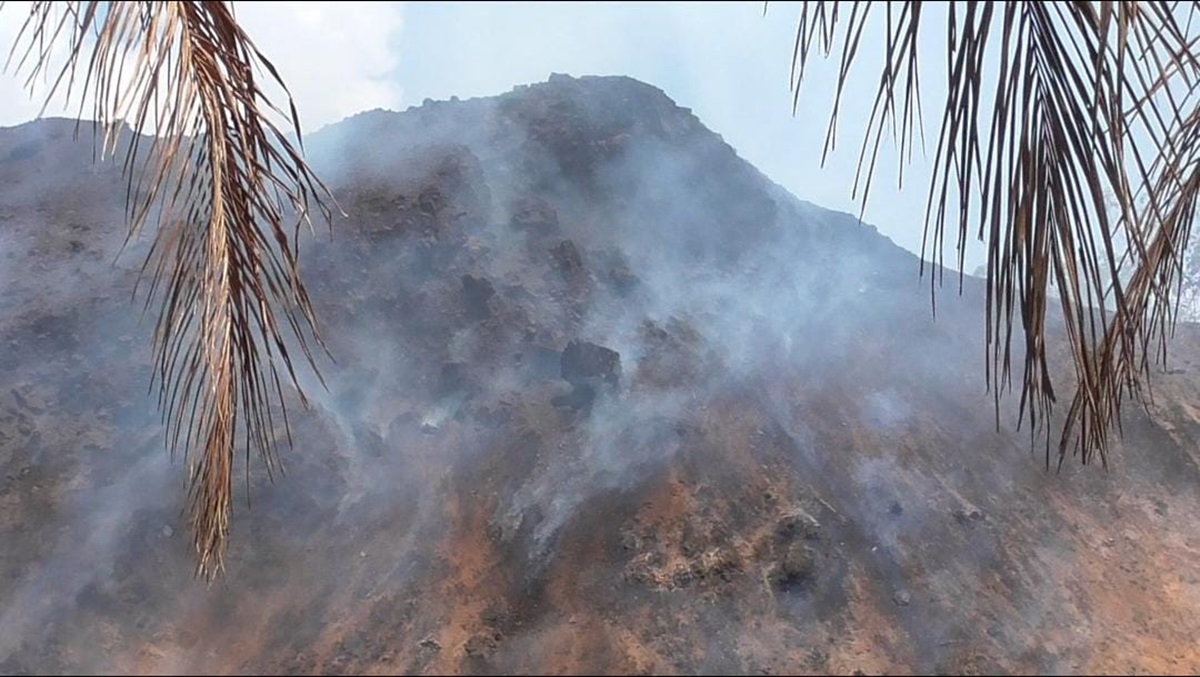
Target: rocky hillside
[(605, 400)]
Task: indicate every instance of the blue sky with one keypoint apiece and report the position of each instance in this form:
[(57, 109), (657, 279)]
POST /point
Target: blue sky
[(726, 61)]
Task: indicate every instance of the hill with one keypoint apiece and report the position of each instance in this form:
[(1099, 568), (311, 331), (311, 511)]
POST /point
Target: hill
[(605, 400)]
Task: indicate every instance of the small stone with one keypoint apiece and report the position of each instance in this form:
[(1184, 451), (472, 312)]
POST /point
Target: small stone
[(168, 531), (965, 517), (896, 508), (902, 598)]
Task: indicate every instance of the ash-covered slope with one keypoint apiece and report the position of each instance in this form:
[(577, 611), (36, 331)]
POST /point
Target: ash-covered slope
[(605, 400)]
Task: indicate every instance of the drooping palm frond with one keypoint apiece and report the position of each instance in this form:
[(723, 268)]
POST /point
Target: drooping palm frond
[(1052, 110), (221, 181)]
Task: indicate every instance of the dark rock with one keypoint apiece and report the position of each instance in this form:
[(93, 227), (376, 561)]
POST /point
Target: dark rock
[(896, 508), (567, 258), (968, 517), (452, 378), (542, 363), (796, 568), (495, 617), (477, 292), (534, 214), (482, 645), (623, 280), (370, 442), (797, 525), (431, 200), (21, 401), (1160, 507), (588, 363), (580, 398), (493, 417)]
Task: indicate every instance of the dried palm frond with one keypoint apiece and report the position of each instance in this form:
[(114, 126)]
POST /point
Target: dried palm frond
[(1091, 103), (220, 180)]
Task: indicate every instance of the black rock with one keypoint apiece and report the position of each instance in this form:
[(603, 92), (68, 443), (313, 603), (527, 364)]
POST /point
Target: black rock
[(542, 363), (452, 379), (580, 398), (797, 526), (587, 363), (534, 213), (796, 568), (567, 258), (623, 280), (477, 292), (967, 518)]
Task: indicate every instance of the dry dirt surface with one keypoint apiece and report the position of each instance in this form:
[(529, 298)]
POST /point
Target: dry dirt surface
[(605, 400)]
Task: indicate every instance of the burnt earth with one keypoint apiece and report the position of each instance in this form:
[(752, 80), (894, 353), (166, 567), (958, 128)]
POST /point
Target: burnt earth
[(767, 457)]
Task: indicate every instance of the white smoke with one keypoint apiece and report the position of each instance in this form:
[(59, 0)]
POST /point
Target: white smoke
[(336, 59)]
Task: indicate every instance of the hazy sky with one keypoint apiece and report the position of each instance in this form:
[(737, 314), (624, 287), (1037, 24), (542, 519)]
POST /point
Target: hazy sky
[(726, 61)]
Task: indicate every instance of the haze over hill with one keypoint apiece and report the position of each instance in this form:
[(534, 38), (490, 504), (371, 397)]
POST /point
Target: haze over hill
[(605, 400)]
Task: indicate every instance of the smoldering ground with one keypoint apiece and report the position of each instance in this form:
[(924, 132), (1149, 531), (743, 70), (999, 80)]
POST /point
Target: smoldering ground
[(453, 499)]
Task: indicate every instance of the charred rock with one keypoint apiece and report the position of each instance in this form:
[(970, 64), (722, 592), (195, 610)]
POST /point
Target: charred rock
[(535, 214), (587, 363), (796, 568), (580, 398), (452, 378), (567, 259), (477, 293)]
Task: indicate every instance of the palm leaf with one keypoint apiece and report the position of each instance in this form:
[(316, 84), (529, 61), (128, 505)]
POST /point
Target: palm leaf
[(1093, 106), (222, 183)]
